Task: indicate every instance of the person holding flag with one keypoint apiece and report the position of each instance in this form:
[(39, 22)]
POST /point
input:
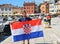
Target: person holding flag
[(23, 19), (26, 28)]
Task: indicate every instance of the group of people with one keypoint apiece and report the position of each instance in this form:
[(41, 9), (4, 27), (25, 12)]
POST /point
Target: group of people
[(25, 18)]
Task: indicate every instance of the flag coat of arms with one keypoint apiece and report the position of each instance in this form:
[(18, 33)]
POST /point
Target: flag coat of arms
[(26, 30)]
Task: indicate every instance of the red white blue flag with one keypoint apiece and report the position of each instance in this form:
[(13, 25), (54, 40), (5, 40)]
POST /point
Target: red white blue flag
[(26, 30)]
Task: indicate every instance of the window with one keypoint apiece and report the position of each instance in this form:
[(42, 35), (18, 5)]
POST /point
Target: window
[(5, 9), (58, 10), (28, 11), (9, 13), (35, 8), (32, 7), (32, 11), (52, 10), (6, 13), (51, 1), (56, 1), (42, 7), (47, 5), (51, 6), (2, 9), (9, 9), (24, 8), (28, 8)]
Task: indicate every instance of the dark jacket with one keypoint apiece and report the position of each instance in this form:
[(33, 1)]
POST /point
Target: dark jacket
[(25, 19)]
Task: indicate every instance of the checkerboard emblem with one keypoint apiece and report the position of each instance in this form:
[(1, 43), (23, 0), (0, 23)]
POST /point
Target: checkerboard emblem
[(27, 28)]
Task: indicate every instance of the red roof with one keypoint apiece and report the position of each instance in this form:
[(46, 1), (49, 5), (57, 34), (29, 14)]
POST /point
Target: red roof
[(29, 3), (8, 6)]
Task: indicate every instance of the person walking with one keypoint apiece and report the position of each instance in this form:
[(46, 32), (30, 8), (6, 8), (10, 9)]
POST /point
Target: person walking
[(23, 19), (49, 20)]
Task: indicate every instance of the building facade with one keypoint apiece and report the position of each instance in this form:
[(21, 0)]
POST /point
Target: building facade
[(8, 9), (44, 7), (5, 9), (53, 6), (30, 7), (53, 9), (17, 10), (58, 7)]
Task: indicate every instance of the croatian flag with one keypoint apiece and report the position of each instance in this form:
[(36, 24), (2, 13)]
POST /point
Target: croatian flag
[(26, 30)]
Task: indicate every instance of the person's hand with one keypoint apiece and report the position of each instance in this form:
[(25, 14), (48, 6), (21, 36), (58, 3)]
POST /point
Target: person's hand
[(13, 21)]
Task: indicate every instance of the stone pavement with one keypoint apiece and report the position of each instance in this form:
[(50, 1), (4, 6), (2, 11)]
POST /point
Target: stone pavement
[(51, 35)]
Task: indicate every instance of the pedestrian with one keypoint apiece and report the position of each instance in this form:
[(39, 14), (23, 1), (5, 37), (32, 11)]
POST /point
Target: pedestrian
[(42, 16), (23, 19), (45, 22), (49, 19), (1, 29), (1, 32)]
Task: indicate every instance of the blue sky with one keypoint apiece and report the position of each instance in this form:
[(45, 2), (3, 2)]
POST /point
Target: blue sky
[(19, 2)]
